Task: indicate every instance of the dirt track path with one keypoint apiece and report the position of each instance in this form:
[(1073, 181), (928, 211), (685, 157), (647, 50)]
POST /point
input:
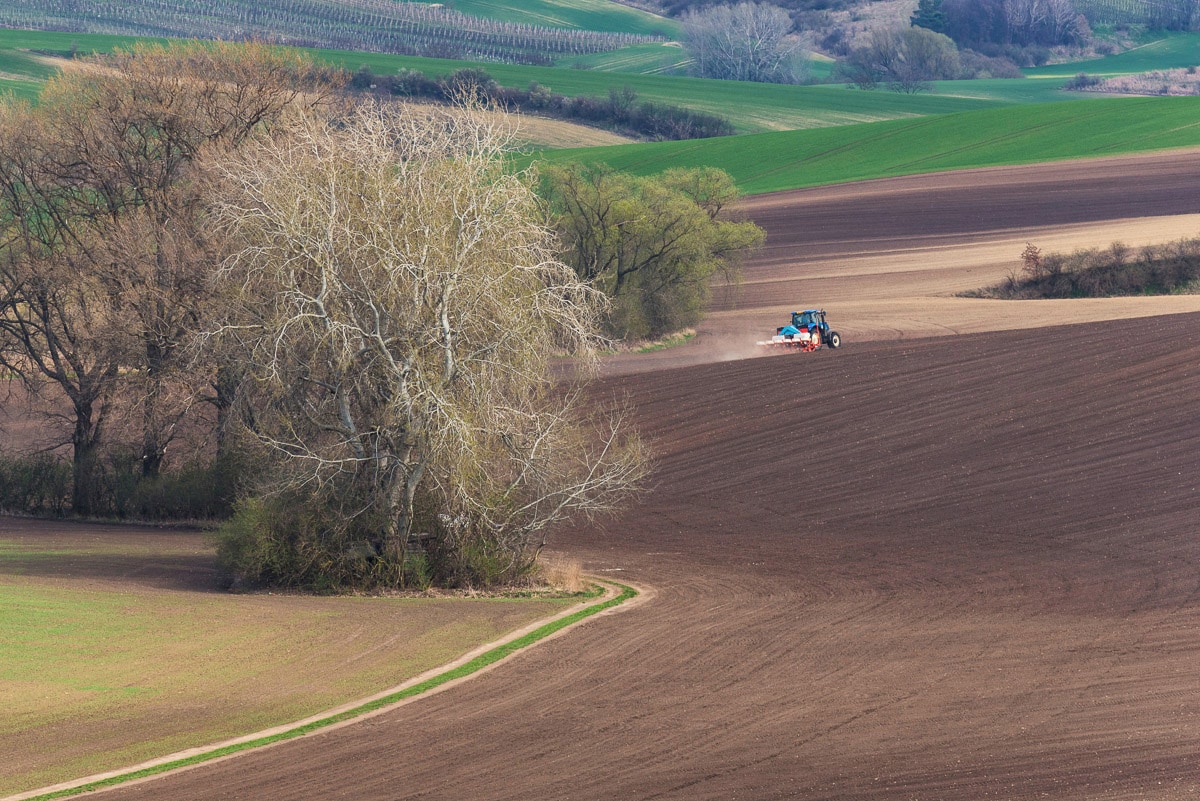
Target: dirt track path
[(951, 568)]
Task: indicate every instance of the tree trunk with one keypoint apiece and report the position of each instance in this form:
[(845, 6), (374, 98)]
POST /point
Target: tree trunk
[(153, 445), (85, 490)]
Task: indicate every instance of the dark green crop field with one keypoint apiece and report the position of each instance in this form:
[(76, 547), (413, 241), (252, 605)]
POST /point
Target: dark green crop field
[(991, 137)]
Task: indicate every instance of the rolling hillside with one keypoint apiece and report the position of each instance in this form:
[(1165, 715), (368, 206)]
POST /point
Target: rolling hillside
[(772, 162)]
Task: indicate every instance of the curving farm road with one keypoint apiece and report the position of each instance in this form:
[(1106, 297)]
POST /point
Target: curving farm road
[(959, 567)]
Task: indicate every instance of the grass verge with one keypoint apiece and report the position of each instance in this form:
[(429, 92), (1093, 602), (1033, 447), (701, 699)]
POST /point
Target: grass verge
[(474, 665), (669, 341)]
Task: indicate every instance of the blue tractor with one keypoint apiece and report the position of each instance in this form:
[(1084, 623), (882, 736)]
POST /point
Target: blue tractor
[(806, 332)]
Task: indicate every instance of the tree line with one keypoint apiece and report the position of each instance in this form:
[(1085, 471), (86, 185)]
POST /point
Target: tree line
[(1168, 268), (354, 308), (360, 293)]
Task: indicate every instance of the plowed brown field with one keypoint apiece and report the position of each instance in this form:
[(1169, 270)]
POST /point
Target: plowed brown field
[(888, 258), (961, 567)]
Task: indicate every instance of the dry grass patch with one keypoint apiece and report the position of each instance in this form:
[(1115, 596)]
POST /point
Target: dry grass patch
[(562, 573), (1176, 83)]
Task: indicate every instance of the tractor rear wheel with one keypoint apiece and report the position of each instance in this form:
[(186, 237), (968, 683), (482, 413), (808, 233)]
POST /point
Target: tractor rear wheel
[(835, 339)]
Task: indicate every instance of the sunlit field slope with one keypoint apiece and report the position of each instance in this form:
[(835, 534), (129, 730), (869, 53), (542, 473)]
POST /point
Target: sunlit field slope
[(751, 107), (1174, 51), (655, 58), (992, 137)]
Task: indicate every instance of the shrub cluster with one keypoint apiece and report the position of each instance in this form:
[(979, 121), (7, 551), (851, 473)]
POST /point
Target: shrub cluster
[(1096, 273), (1082, 81), (974, 65), (620, 111), (37, 485), (40, 484), (300, 542), (325, 542), (1181, 82)]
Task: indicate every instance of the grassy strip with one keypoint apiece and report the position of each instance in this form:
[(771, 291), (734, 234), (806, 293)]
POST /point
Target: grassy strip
[(671, 341), (466, 669), (771, 162), (64, 43)]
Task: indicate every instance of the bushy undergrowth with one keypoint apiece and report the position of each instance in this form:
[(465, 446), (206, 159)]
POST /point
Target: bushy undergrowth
[(1108, 272), (37, 485), (1182, 82), (41, 484), (321, 543), (194, 492), (289, 541)]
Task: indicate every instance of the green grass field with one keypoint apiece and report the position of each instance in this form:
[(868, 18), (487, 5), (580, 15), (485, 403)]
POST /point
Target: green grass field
[(991, 137), (643, 59), (1173, 51), (751, 107), (63, 43), (21, 73), (107, 658), (16, 62)]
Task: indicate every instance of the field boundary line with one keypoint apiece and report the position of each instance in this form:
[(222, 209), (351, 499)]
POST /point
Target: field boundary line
[(473, 663)]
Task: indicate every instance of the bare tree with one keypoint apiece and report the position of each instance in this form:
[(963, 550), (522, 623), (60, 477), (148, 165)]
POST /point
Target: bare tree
[(398, 305), (107, 246), (141, 122), (745, 42), (54, 316), (906, 59)]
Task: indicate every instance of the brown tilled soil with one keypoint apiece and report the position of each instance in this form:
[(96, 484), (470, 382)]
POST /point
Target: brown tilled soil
[(961, 567), (888, 258)]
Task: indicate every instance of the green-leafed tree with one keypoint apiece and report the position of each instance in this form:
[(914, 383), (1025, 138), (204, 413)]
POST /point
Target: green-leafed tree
[(651, 244), (929, 14)]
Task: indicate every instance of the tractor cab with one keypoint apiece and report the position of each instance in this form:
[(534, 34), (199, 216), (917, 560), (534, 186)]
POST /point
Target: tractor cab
[(807, 320), (806, 332)]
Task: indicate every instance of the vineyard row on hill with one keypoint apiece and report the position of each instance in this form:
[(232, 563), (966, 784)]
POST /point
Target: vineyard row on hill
[(372, 25), (1158, 13)]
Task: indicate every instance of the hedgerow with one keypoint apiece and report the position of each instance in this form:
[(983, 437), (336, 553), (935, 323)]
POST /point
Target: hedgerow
[(620, 111), (1103, 272)]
